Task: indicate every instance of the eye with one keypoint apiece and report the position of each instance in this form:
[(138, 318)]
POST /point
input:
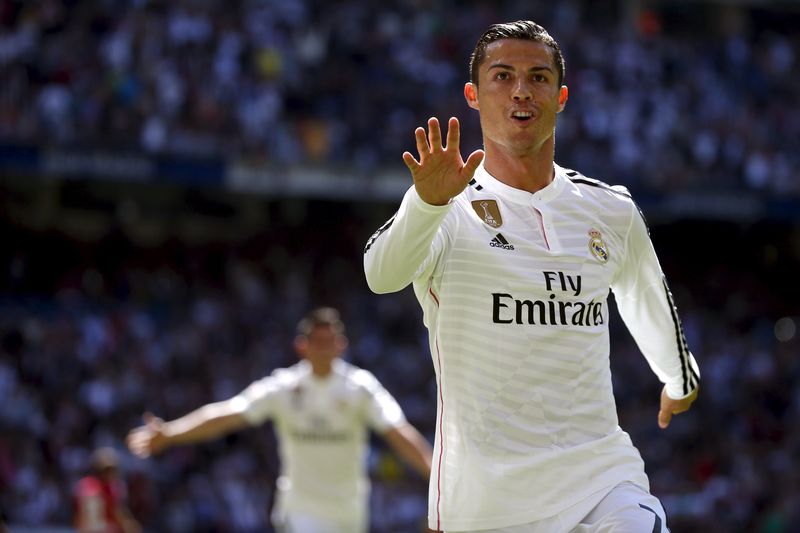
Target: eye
[(502, 76), (540, 78)]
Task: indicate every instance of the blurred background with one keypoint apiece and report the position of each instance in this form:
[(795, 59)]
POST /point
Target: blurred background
[(180, 181)]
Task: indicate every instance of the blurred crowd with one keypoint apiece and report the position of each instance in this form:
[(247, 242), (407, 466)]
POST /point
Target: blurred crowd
[(274, 82), (118, 330), (114, 331)]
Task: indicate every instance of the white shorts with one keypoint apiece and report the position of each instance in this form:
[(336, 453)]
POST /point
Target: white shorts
[(626, 508)]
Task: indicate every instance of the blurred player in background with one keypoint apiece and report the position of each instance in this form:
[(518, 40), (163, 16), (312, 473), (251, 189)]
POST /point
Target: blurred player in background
[(511, 257), (100, 498), (322, 408)]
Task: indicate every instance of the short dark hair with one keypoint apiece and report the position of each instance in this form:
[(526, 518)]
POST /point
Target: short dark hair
[(320, 317), (520, 29)]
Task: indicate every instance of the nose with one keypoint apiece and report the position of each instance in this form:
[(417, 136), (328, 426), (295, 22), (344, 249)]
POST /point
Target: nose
[(522, 90)]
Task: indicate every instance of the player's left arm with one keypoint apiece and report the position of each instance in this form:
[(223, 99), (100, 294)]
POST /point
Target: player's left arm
[(385, 416), (646, 305), (409, 444)]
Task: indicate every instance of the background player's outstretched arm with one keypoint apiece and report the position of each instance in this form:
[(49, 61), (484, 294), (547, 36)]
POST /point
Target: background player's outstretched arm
[(208, 422), (411, 446)]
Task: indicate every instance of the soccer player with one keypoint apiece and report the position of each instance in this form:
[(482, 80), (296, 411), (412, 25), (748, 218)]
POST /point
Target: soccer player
[(321, 408), (99, 498), (511, 257)]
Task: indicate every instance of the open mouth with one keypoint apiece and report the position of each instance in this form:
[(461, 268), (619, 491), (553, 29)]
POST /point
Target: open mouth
[(522, 116)]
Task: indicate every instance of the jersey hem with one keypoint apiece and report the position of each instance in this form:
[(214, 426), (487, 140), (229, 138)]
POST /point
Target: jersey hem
[(501, 521)]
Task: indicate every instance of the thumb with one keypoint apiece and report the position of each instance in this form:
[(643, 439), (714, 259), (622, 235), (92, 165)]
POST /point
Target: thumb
[(472, 163), (664, 418), (151, 420)]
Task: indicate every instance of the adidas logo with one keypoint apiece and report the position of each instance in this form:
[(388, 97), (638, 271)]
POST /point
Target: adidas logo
[(500, 242)]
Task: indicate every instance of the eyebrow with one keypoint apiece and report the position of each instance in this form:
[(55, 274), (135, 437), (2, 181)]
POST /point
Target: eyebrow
[(509, 67)]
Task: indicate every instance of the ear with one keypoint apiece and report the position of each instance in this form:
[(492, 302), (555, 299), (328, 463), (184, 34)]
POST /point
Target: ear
[(563, 95), (300, 345), (341, 342), (471, 95)]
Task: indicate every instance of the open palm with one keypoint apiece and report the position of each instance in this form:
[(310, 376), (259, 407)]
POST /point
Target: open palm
[(441, 173)]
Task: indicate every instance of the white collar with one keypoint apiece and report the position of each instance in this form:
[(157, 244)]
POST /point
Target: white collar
[(519, 196)]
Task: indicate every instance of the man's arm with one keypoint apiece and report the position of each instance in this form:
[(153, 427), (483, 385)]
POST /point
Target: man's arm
[(647, 308), (411, 446), (208, 422), (395, 254), (401, 249)]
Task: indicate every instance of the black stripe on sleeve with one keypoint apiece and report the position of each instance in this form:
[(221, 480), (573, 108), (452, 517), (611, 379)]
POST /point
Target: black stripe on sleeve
[(690, 377), (687, 372), (374, 237), (641, 214), (606, 187), (474, 183), (571, 174), (657, 523), (599, 184)]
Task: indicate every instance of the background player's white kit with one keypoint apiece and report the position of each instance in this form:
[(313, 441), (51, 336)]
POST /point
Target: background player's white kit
[(322, 409), (309, 412)]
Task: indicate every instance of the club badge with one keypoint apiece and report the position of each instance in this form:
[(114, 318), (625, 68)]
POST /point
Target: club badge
[(297, 397), (597, 246), (488, 211)]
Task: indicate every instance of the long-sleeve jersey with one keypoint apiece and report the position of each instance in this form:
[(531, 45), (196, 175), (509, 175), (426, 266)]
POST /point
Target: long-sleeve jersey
[(322, 428), (514, 287)]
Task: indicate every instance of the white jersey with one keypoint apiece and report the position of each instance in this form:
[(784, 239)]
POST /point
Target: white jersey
[(321, 425), (514, 290)]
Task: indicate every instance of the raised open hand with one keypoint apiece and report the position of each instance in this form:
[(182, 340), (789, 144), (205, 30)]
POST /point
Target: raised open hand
[(440, 173)]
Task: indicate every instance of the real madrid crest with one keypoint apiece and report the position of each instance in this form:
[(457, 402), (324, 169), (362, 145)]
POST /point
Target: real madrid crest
[(488, 211), (597, 246), (297, 397)]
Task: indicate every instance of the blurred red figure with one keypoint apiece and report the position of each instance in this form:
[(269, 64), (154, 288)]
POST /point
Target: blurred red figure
[(100, 498)]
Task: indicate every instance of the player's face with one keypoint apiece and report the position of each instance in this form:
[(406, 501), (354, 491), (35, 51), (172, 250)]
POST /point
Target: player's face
[(321, 344), (518, 95)]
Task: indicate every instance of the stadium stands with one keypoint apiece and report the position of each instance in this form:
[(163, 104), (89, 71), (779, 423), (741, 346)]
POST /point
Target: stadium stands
[(135, 276)]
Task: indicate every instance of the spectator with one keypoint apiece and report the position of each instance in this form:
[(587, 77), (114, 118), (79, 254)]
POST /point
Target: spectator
[(101, 498), (303, 81)]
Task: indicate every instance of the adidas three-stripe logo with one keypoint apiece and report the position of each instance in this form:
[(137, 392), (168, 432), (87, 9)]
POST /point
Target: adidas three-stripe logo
[(500, 242)]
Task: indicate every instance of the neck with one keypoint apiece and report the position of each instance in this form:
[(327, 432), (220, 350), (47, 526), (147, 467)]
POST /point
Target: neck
[(528, 171), (321, 369)]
